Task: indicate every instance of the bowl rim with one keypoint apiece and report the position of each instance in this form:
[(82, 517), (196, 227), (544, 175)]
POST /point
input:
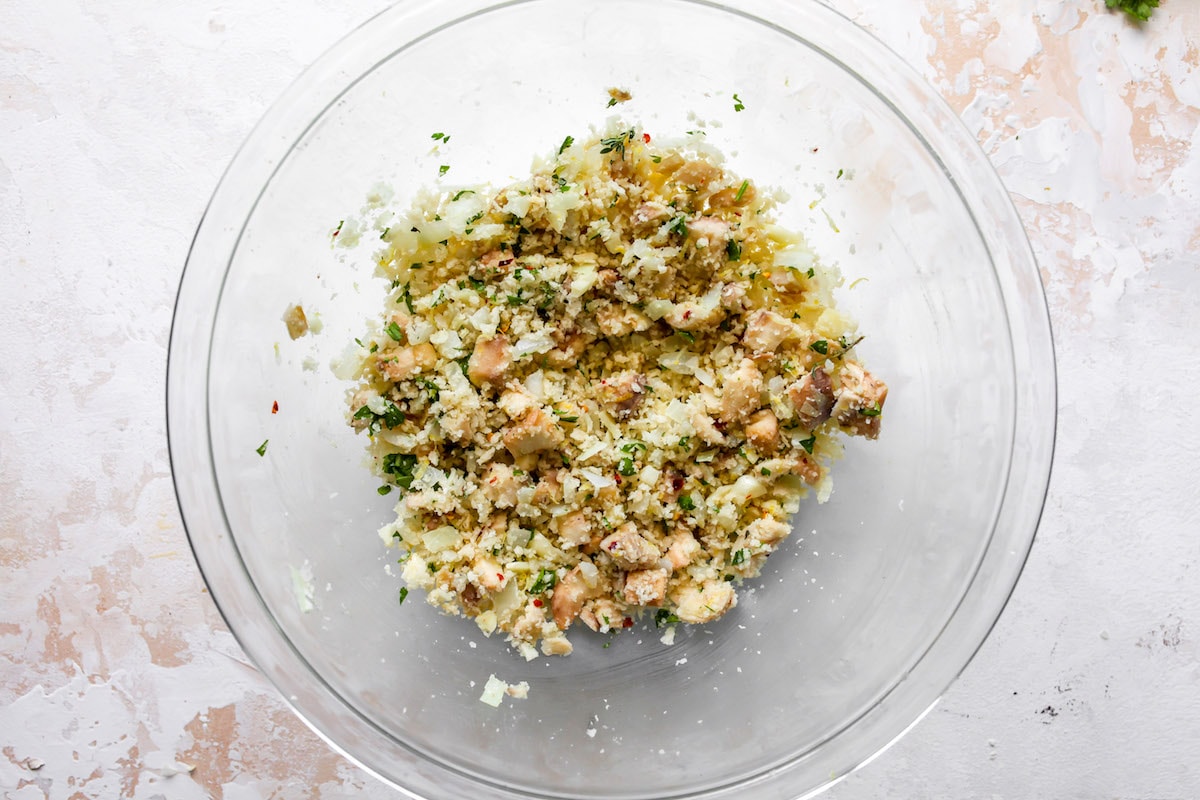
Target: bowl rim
[(336, 72)]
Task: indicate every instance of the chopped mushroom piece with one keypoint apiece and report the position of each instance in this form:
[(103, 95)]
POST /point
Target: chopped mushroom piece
[(646, 587), (401, 363), (497, 259), (536, 431), (697, 174), (694, 315), (812, 398), (500, 485), (682, 549), (762, 430), (623, 393), (766, 330), (490, 361), (715, 230), (630, 549), (575, 529), (618, 319), (580, 584), (742, 394), (859, 401)]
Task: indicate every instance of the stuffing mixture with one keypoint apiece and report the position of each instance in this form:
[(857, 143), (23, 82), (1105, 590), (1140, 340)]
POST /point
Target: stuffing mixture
[(603, 390)]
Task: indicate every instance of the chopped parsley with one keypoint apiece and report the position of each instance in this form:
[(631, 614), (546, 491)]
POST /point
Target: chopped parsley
[(841, 172), (393, 330), (458, 195), (403, 594), (873, 411), (385, 489), (686, 502), (741, 191), (262, 448), (687, 336), (808, 443), (339, 228), (678, 225), (564, 416), (820, 346), (686, 441), (664, 617), (633, 447), (440, 137), (407, 298), (739, 556), (443, 169), (400, 466), (431, 389), (567, 142), (546, 580), (1138, 9), (386, 231), (626, 466), (734, 250), (810, 272), (765, 471), (738, 105)]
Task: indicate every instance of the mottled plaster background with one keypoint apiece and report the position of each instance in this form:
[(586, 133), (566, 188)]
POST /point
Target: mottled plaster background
[(116, 673)]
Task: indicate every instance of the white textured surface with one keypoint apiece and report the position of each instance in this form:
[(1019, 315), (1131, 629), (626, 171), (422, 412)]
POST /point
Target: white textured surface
[(116, 674)]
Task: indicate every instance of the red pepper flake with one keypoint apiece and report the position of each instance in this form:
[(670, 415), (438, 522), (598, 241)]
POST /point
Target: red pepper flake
[(275, 407), (628, 623), (537, 602), (646, 138)]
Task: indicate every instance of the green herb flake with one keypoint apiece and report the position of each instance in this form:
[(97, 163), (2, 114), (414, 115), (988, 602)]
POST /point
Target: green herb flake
[(633, 447), (686, 502), (567, 142), (338, 229), (407, 298), (765, 471), (262, 448), (808, 443), (443, 169), (678, 225), (741, 191), (626, 466), (811, 272), (386, 231), (686, 441), (1138, 9), (664, 617), (459, 194), (546, 580), (820, 346), (401, 466), (738, 105), (873, 411), (739, 556), (733, 250), (438, 136), (656, 159), (385, 489), (687, 336), (841, 172), (393, 330), (403, 594), (616, 144)]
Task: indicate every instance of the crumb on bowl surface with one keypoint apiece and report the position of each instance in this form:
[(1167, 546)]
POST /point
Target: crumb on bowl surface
[(603, 389)]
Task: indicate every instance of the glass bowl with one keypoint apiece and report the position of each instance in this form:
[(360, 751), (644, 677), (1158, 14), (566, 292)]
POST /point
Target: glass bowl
[(871, 608)]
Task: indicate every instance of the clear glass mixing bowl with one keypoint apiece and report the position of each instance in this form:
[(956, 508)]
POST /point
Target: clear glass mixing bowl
[(872, 607)]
